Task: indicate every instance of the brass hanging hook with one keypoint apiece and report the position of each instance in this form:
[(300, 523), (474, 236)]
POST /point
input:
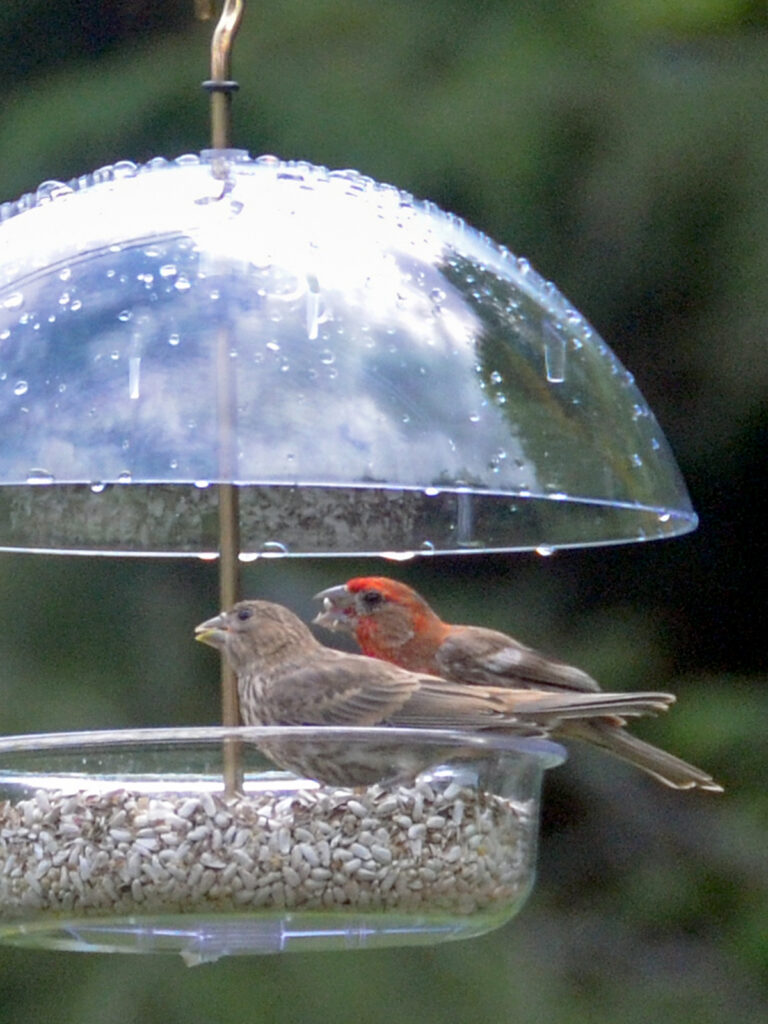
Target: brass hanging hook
[(220, 85)]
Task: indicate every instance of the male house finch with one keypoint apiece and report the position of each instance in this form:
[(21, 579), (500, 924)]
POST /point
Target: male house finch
[(391, 621), (287, 677)]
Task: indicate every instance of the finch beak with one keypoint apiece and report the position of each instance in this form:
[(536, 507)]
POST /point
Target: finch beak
[(213, 631), (338, 608)]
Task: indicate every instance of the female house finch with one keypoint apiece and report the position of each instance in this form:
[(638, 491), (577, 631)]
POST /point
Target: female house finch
[(286, 677), (391, 621)]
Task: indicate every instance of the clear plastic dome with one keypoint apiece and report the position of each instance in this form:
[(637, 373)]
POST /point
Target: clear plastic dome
[(372, 373)]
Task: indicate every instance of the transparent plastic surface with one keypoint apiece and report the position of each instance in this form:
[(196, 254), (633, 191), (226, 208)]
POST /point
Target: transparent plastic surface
[(125, 841), (373, 373)]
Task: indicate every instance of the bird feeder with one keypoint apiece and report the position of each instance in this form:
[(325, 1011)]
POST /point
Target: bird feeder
[(222, 354)]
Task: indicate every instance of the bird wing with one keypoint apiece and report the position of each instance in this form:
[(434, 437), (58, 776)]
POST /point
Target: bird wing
[(442, 704), (473, 654), (341, 689), (438, 704)]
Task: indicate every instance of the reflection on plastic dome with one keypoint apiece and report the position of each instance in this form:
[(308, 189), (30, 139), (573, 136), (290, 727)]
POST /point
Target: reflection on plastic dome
[(393, 380)]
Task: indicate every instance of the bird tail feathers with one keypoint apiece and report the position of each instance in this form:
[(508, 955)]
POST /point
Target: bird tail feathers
[(662, 766)]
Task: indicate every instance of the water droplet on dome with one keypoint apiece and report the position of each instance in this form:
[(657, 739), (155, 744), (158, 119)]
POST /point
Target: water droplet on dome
[(426, 546), (554, 353), (124, 316), (173, 339), (125, 477), (97, 487), (20, 387)]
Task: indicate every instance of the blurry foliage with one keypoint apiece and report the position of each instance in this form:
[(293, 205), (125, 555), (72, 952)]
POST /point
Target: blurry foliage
[(623, 148)]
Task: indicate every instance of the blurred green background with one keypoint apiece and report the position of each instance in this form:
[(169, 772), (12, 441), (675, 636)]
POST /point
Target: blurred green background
[(623, 148)]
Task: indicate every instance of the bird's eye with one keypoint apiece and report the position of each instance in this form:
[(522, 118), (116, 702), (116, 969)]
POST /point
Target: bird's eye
[(371, 598), (244, 613)]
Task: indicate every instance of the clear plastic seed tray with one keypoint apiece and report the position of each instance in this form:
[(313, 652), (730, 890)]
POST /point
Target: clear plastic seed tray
[(126, 841)]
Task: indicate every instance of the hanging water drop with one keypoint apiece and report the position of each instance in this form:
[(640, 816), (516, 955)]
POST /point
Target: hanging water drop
[(398, 556), (273, 549), (40, 476)]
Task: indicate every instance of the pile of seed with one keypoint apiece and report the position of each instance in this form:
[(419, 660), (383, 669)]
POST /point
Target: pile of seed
[(418, 847)]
